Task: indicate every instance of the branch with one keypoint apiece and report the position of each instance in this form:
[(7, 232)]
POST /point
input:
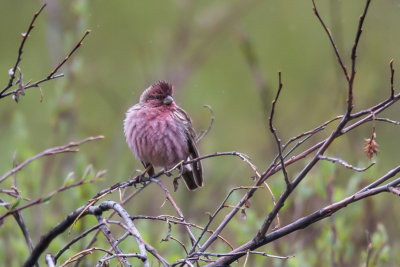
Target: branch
[(107, 234), (354, 58), (51, 151), (52, 75), (21, 223), (44, 199), (273, 131), (328, 32), (131, 227), (175, 220), (25, 36), (345, 164), (81, 212), (82, 254), (303, 222), (391, 79), (212, 217), (176, 207), (203, 133), (132, 255), (74, 240), (50, 261)]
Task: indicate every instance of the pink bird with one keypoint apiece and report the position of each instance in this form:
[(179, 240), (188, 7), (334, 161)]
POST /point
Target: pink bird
[(160, 133)]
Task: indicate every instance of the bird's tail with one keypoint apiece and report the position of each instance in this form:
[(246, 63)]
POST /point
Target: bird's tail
[(193, 179)]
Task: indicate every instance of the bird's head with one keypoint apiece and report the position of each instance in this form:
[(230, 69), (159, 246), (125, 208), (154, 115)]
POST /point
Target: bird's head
[(158, 94)]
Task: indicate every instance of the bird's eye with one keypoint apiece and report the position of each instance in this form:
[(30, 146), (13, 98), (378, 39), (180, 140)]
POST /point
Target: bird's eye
[(154, 97)]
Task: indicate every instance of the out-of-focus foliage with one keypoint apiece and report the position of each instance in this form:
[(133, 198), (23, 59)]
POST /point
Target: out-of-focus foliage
[(195, 45)]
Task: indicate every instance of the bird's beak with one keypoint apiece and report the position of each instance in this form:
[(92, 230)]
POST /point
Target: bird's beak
[(168, 100)]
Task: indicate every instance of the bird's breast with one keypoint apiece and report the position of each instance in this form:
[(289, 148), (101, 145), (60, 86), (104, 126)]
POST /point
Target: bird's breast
[(155, 136)]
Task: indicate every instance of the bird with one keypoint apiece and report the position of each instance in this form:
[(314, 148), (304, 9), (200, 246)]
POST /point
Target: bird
[(160, 134)]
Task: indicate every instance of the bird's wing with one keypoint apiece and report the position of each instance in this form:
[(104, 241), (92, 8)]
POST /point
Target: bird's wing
[(196, 172)]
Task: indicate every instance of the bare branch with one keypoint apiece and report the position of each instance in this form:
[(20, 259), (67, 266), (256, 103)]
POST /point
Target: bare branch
[(212, 217), (51, 151), (74, 240), (82, 254), (50, 261), (131, 227), (51, 76), (381, 180), (69, 220), (387, 120), (126, 255), (21, 223), (332, 42), (394, 190), (248, 252), (345, 164), (391, 79), (176, 207), (304, 222), (114, 245), (25, 36), (44, 199), (354, 57), (203, 133), (273, 131)]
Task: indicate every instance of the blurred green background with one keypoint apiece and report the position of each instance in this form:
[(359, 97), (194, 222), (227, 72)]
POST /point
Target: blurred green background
[(199, 47)]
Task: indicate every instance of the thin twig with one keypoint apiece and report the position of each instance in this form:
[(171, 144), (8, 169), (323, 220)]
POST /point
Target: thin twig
[(354, 58), (107, 234), (176, 220), (44, 199), (81, 254), (176, 208), (203, 133), (74, 240), (391, 79), (52, 74), (369, 249), (345, 164), (134, 193), (25, 36), (212, 216), (70, 54), (394, 190), (387, 120), (125, 255), (243, 253), (51, 151), (131, 226), (21, 223), (332, 42), (305, 222), (273, 131)]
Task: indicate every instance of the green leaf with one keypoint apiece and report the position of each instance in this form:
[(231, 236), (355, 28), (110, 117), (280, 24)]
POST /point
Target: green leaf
[(88, 173), (47, 199), (15, 203), (70, 179)]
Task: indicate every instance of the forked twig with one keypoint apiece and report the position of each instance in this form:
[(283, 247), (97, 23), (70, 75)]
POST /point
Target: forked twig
[(20, 50), (13, 71)]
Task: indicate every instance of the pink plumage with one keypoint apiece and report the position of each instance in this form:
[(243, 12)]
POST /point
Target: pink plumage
[(160, 133)]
